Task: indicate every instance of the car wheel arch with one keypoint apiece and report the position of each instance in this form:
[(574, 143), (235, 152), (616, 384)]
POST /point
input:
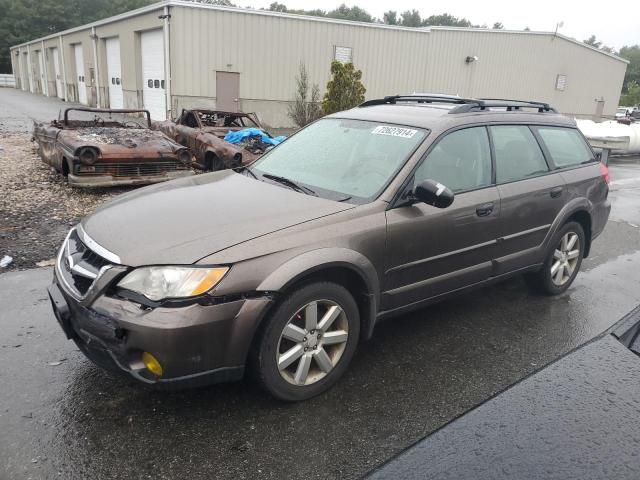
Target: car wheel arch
[(578, 210), (346, 267)]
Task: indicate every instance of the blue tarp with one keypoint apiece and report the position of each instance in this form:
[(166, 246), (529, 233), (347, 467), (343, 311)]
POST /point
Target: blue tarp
[(240, 135)]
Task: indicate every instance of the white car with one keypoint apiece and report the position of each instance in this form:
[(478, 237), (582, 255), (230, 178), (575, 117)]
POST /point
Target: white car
[(623, 112)]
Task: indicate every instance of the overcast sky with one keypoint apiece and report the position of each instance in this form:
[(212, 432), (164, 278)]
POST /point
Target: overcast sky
[(614, 22)]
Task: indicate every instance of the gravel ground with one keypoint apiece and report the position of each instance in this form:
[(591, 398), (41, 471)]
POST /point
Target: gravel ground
[(37, 207)]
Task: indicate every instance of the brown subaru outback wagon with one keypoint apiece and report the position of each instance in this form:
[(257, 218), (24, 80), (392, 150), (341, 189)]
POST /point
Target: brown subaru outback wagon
[(283, 267)]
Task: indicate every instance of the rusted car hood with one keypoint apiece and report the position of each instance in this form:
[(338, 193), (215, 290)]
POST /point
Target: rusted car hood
[(182, 221), (113, 140)]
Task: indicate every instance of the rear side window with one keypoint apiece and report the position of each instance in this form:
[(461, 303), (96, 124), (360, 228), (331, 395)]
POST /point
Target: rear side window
[(461, 161), (566, 146), (518, 155)]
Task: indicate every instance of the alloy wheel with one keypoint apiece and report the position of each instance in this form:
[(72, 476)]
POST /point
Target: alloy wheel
[(565, 258), (312, 342)]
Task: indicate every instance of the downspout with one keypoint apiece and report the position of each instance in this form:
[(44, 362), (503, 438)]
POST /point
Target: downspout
[(29, 68), (64, 69), (167, 61), (45, 67), (94, 37)]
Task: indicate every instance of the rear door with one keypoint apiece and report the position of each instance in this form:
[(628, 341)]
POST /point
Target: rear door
[(531, 196), (432, 251)]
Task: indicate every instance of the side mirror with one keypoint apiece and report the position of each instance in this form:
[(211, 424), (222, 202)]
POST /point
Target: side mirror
[(433, 193)]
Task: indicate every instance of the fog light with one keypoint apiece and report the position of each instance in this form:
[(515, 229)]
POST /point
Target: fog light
[(86, 169), (152, 364)]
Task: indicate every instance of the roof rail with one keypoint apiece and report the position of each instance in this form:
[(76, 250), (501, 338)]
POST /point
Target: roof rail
[(418, 98), (508, 104), (463, 104)]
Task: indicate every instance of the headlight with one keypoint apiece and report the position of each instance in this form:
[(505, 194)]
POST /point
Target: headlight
[(185, 157), (158, 283), (88, 155)]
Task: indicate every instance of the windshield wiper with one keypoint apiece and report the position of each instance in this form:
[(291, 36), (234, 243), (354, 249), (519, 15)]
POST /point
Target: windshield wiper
[(242, 168), (290, 183)]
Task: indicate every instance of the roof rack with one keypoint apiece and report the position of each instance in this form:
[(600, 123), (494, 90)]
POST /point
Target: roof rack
[(464, 105)]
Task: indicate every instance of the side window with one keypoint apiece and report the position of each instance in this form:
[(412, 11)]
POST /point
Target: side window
[(461, 161), (518, 155), (566, 146)]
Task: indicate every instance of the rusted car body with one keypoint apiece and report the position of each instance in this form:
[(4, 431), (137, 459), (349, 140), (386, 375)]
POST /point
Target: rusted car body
[(112, 151), (203, 131)]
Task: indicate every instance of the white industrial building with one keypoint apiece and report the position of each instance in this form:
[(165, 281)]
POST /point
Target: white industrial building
[(176, 54)]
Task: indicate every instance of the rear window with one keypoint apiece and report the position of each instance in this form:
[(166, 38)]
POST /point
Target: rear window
[(517, 153), (566, 146)]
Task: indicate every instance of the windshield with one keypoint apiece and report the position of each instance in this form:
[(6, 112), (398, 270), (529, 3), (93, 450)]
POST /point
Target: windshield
[(342, 159), (87, 117)]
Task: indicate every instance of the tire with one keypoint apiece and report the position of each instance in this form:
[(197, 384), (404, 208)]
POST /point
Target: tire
[(554, 283), (302, 346)]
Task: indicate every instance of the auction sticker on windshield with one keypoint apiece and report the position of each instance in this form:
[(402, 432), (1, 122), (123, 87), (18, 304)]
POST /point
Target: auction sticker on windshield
[(394, 131)]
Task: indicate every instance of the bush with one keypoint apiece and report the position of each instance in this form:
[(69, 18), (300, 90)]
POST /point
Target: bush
[(304, 111), (344, 90)]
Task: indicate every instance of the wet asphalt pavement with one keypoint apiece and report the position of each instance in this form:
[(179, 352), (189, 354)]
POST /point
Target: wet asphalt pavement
[(61, 417)]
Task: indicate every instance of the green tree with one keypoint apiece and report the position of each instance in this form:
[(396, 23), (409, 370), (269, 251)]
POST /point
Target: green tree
[(390, 17), (631, 53), (592, 41), (632, 97), (345, 89), (305, 108), (354, 13), (446, 20), (410, 18), (498, 26), (278, 7)]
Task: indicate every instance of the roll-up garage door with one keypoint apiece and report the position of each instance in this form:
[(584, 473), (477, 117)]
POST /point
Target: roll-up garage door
[(114, 72), (153, 89), (82, 86)]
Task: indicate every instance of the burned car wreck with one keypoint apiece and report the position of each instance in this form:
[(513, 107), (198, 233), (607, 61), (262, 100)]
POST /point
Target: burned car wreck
[(206, 134), (115, 147)]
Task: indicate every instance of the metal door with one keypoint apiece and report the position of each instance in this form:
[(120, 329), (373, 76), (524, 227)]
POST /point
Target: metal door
[(113, 72), (26, 72), (228, 91), (153, 88), (56, 72), (80, 80)]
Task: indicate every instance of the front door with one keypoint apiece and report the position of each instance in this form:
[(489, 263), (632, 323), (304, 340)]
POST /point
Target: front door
[(228, 91), (531, 196), (432, 251)]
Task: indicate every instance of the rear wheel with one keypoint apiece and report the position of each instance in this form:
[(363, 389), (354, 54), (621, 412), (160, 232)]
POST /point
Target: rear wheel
[(308, 341), (562, 262)]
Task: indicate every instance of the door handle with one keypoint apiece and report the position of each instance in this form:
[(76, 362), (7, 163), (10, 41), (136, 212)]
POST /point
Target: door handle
[(484, 210), (555, 192)]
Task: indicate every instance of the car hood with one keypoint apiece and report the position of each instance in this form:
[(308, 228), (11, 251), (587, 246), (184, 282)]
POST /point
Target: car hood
[(182, 221), (120, 140)]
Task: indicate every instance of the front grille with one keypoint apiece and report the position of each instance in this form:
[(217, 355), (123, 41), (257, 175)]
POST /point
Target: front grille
[(137, 169), (79, 265)]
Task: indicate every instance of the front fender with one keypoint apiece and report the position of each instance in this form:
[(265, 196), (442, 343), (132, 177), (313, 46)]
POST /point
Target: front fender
[(316, 260)]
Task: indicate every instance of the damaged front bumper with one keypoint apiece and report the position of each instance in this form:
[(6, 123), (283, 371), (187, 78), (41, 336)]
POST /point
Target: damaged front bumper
[(97, 181), (195, 344)]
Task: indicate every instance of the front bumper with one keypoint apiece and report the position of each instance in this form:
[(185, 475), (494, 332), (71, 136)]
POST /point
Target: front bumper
[(96, 181), (196, 344)]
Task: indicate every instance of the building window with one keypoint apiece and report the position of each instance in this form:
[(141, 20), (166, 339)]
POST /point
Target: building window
[(561, 82), (343, 54)]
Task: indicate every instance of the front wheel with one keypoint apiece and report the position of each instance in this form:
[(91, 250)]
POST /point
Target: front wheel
[(562, 262), (308, 341)]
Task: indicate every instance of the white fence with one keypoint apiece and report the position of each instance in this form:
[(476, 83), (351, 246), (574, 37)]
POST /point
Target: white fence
[(7, 80)]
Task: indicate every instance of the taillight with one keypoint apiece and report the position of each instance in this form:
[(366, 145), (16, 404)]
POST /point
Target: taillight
[(604, 171)]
